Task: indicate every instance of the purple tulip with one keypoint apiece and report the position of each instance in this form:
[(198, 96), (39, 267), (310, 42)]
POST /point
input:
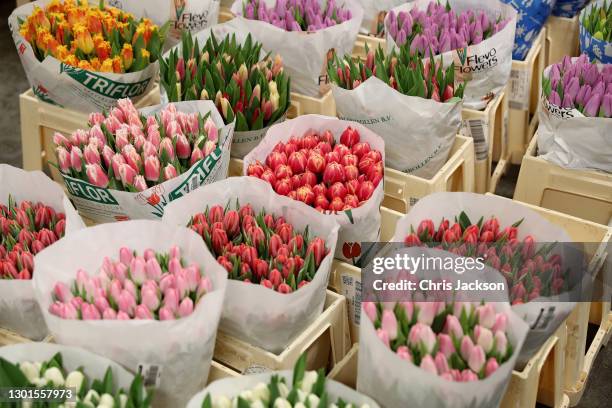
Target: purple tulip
[(592, 106), (554, 98), (606, 106), (567, 102), (583, 95), (591, 75), (572, 88)]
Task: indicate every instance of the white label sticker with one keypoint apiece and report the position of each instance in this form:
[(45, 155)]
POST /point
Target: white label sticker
[(255, 369), (519, 89), (151, 374), (477, 130)]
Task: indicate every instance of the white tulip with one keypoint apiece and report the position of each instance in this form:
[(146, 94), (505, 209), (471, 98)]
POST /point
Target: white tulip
[(26, 404), (29, 370), (299, 405), (106, 400), (281, 403), (302, 395), (283, 390), (332, 405), (54, 375), (247, 395), (310, 377), (75, 380), (258, 404), (221, 401), (313, 400), (261, 392), (40, 382), (91, 398), (123, 399)]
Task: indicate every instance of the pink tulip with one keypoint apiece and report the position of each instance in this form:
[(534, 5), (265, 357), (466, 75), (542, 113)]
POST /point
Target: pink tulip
[(383, 336), (152, 168), (486, 315), (122, 315), (126, 303), (166, 147), (152, 269), (170, 172), (428, 364), (166, 314), (76, 158), (466, 347), (96, 175), (501, 320), (389, 323), (370, 310), (462, 306), (453, 327), (142, 312), (61, 141), (192, 273), (127, 174), (476, 359), (150, 299), (137, 270), (116, 162), (468, 376), (101, 303), (204, 287), (209, 147), (115, 289), (91, 154), (89, 312), (61, 292), (125, 255), (174, 252), (404, 353), (491, 366), (441, 363), (421, 334), (56, 308), (171, 299), (427, 311), (211, 130), (167, 280), (183, 149), (182, 285), (484, 337), (130, 287), (139, 183), (120, 271), (174, 265), (446, 344), (186, 307), (196, 156), (63, 158), (501, 343), (109, 314), (408, 309)]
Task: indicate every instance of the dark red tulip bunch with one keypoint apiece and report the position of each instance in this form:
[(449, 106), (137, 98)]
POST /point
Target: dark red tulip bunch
[(325, 174), (260, 248), (26, 229), (530, 272)]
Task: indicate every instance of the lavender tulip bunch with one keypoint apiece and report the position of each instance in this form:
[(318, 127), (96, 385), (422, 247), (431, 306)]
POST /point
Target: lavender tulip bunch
[(297, 15), (439, 29), (581, 85)]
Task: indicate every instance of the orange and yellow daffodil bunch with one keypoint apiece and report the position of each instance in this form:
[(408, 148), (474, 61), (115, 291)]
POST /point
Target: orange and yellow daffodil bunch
[(96, 38)]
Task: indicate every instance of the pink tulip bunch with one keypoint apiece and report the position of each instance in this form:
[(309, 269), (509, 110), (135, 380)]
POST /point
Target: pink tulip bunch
[(460, 341), (25, 230), (439, 29), (152, 286), (297, 15), (123, 150)]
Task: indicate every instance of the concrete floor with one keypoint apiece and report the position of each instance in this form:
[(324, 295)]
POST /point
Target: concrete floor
[(13, 82)]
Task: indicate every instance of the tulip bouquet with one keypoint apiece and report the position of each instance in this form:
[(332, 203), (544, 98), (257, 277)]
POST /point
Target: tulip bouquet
[(297, 15), (576, 94), (322, 173), (479, 42), (457, 341), (143, 287), (72, 36), (332, 165), (305, 33), (131, 152), (440, 29), (281, 389), (596, 31), (260, 248), (25, 230), (533, 256), (89, 391), (244, 84), (403, 90), (152, 286), (530, 272), (262, 242)]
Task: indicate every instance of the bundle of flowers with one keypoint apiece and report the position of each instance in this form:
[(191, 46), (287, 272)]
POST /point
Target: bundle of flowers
[(281, 390), (297, 15), (402, 71), (439, 29), (150, 286), (243, 84), (95, 38), (123, 150), (326, 174), (580, 85), (62, 387), (260, 248), (26, 228), (596, 31), (458, 341)]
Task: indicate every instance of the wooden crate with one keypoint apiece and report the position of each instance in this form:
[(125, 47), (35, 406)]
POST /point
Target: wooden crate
[(403, 190), (524, 91), (551, 386), (488, 129), (8, 337), (219, 371), (582, 193), (304, 105), (225, 15), (345, 372), (562, 38), (40, 120), (325, 341), (359, 51), (346, 278)]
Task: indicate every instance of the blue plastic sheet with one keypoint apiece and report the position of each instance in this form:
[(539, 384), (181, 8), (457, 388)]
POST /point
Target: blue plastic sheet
[(568, 8), (532, 15), (597, 50)]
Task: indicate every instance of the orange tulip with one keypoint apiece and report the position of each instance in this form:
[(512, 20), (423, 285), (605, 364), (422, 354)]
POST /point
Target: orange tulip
[(83, 39), (107, 65), (83, 64), (40, 18), (127, 55), (95, 64), (71, 59), (94, 24), (103, 50), (117, 65), (61, 52)]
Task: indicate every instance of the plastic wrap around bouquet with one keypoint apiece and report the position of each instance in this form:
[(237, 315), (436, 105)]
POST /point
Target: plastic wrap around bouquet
[(81, 87), (558, 306), (568, 8), (596, 32), (305, 51), (374, 12), (531, 18), (358, 224), (252, 312), (394, 379), (575, 114), (182, 15), (255, 386), (104, 204), (254, 117), (170, 354), (108, 375), (485, 66), (19, 309)]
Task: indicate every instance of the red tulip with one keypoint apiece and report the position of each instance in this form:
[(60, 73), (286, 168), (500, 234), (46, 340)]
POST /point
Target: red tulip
[(309, 141), (219, 239), (349, 137), (283, 171), (267, 283), (275, 243), (327, 137), (426, 227), (412, 240), (297, 162), (260, 268), (334, 172), (449, 237), (254, 169), (305, 194), (337, 190), (341, 150), (231, 223), (215, 214), (323, 148), (321, 202), (284, 288), (296, 181), (351, 200), (283, 186), (316, 162), (349, 160), (337, 204), (351, 172), (275, 159), (317, 247), (487, 236), (332, 157), (257, 236), (366, 189), (360, 149), (275, 277), (308, 178)]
